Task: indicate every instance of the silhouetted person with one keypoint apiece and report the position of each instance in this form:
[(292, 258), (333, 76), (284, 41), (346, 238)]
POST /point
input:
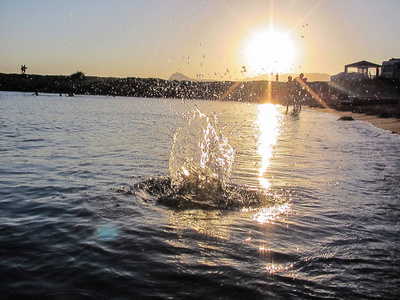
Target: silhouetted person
[(289, 87), (23, 69), (302, 86), (301, 76)]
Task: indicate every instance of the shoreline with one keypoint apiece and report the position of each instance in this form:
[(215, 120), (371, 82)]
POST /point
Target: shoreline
[(389, 124), (381, 115)]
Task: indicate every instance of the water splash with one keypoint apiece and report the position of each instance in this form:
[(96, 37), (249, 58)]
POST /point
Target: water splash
[(200, 166), (193, 196), (201, 157)]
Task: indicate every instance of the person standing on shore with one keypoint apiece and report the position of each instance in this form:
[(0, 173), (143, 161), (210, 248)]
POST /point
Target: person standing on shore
[(301, 92), (289, 99)]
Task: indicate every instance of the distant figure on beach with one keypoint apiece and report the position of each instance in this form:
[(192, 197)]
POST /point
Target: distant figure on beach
[(301, 92), (277, 77), (23, 69), (301, 77), (289, 88)]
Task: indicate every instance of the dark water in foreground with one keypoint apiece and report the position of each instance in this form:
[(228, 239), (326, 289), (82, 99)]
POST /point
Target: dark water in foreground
[(73, 225)]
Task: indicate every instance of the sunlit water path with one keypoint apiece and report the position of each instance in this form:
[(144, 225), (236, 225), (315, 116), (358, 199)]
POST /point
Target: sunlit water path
[(76, 222)]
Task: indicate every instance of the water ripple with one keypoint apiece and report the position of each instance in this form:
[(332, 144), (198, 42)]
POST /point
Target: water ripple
[(46, 262)]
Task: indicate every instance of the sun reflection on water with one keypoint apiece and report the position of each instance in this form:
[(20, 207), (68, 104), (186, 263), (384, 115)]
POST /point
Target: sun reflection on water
[(269, 215), (274, 268), (268, 121), (210, 223)]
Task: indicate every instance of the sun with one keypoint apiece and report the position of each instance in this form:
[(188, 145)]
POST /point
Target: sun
[(270, 51)]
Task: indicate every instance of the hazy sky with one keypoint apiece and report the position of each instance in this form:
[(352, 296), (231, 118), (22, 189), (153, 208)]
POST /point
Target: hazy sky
[(210, 38)]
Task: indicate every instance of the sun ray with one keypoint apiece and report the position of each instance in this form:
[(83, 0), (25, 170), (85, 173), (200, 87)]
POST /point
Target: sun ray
[(267, 62), (237, 16), (230, 90), (312, 93), (304, 18)]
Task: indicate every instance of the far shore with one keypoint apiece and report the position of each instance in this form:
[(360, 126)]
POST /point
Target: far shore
[(372, 100), (390, 124)]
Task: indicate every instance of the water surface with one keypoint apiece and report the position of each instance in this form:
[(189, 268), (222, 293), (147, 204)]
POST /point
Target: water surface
[(70, 230)]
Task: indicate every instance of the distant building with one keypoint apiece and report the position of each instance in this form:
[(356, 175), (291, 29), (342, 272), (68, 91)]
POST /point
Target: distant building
[(391, 68), (358, 71)]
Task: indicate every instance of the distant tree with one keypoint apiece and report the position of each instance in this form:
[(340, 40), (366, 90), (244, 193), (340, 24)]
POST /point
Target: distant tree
[(23, 69), (78, 75)]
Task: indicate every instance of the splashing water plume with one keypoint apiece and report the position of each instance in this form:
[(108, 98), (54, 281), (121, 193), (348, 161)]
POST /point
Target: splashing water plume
[(200, 165), (201, 158)]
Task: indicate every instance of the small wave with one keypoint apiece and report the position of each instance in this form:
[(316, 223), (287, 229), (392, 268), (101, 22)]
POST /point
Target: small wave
[(69, 294), (46, 262)]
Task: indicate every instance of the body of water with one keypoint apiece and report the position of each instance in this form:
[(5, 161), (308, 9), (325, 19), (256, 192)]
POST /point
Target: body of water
[(79, 219)]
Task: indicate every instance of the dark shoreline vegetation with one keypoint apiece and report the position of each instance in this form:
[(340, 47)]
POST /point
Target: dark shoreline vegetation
[(372, 93)]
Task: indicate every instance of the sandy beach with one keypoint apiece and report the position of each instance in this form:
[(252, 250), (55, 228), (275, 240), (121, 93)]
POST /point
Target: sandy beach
[(390, 124)]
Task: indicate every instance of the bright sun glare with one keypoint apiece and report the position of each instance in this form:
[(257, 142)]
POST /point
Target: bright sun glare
[(270, 52)]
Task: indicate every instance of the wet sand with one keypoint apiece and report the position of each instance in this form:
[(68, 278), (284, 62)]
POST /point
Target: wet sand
[(390, 124)]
